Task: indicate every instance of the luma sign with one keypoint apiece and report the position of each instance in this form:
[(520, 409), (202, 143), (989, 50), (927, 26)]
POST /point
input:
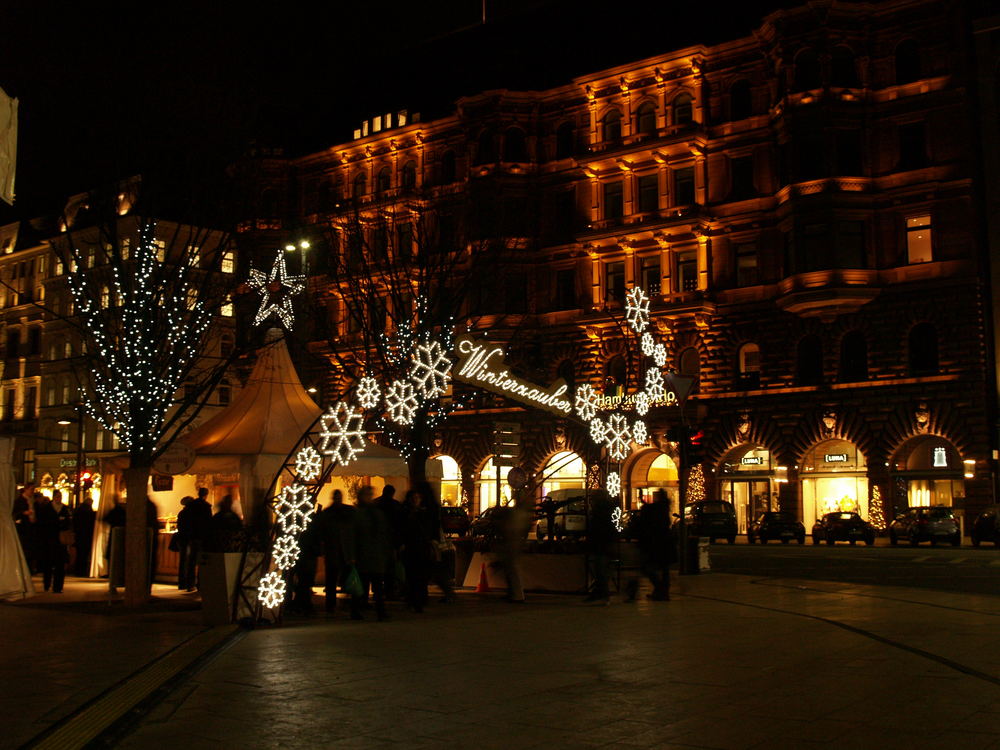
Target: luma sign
[(481, 363)]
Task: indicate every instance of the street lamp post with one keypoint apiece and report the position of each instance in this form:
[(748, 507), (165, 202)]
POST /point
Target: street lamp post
[(79, 455)]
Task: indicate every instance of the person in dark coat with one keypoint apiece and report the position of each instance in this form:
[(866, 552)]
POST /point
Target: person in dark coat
[(224, 527), (419, 531), (371, 540), (84, 519), (303, 572), (548, 507), (601, 535), (336, 530), (394, 516), (51, 517), (193, 523), (657, 548), (23, 513)]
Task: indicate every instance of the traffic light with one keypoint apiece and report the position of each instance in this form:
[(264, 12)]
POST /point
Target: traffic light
[(695, 445)]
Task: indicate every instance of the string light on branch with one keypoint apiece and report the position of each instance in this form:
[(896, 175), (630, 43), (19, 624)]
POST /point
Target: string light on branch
[(617, 437), (340, 433), (586, 401), (308, 464), (271, 590), (276, 291), (401, 402), (286, 551), (614, 484), (637, 309), (431, 369), (293, 509), (369, 392)]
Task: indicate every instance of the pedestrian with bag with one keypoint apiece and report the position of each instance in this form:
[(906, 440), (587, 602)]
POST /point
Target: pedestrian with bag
[(53, 523)]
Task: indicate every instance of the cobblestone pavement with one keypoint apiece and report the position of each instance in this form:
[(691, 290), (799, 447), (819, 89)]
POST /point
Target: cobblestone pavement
[(731, 662)]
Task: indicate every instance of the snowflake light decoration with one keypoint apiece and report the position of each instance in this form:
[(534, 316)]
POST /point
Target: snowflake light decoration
[(660, 355), (617, 437), (308, 464), (286, 551), (637, 309), (655, 387), (586, 401), (614, 484), (276, 291), (598, 429), (642, 403), (431, 369), (340, 433), (639, 432), (368, 392), (648, 343), (401, 401), (293, 508), (616, 520), (271, 590)]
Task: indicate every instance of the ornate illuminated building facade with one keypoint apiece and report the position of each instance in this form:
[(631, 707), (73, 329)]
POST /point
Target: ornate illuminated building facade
[(799, 203)]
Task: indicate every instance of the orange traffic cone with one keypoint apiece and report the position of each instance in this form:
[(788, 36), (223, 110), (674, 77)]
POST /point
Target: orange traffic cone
[(484, 584)]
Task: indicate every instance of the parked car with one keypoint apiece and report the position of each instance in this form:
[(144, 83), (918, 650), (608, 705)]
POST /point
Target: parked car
[(935, 524), (776, 524), (715, 519), (487, 528), (454, 520), (986, 527), (571, 516), (843, 527)]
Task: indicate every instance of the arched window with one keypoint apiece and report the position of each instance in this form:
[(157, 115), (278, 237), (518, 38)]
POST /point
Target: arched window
[(689, 362), (447, 167), (843, 68), (923, 349), (908, 68), (409, 176), (645, 119), (683, 109), (383, 182), (853, 357), (451, 479), (486, 151), (740, 100), (809, 361), (486, 487), (515, 148), (807, 74), (612, 127), (615, 375), (748, 365), (565, 137), (360, 185), (564, 471)]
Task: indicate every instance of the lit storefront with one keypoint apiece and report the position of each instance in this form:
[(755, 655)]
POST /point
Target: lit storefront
[(651, 471), (450, 490), (928, 471), (834, 478), (564, 471), (486, 487), (747, 480)]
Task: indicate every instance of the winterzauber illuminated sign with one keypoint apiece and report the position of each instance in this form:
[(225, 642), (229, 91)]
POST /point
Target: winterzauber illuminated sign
[(482, 363)]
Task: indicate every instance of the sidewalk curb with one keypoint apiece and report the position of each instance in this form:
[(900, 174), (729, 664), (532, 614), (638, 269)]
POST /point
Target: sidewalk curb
[(103, 720)]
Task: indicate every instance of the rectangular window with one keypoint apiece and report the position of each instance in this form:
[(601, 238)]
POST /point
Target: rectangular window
[(918, 239), (649, 275), (746, 264), (687, 271), (614, 200), (566, 289), (64, 440), (684, 186), (850, 245), (848, 145), (228, 262), (161, 250), (28, 464), (811, 157), (226, 311), (912, 146), (565, 210), (648, 187), (126, 252), (8, 403), (404, 241), (614, 281), (742, 179), (380, 243), (516, 294), (30, 402)]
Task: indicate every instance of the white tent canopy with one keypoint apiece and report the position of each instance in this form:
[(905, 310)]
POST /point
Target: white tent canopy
[(15, 575)]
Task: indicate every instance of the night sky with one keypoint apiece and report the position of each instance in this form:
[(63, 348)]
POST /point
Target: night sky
[(111, 89)]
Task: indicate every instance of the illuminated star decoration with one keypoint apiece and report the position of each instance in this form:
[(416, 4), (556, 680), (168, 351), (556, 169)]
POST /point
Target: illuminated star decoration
[(637, 309), (648, 343), (293, 509), (308, 463), (286, 551), (340, 433), (617, 437), (598, 430), (616, 519), (586, 401), (614, 484), (660, 355), (431, 370), (276, 291), (655, 388), (401, 401), (368, 392), (639, 433), (641, 403), (271, 590)]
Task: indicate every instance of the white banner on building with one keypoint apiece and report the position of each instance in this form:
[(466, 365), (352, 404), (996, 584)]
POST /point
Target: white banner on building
[(8, 146)]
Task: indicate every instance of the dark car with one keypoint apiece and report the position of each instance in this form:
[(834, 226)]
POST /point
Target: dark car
[(986, 527), (715, 519), (843, 527), (776, 524), (935, 524), (454, 520)]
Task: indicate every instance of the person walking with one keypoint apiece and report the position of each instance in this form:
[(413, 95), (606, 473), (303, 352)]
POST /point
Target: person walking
[(51, 518), (601, 536), (24, 516), (193, 524), (336, 531), (371, 539), (548, 508), (417, 551), (394, 517), (304, 570), (84, 519), (657, 549), (224, 527)]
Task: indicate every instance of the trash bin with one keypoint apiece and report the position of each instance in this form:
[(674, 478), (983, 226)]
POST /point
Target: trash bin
[(703, 547), (692, 563)]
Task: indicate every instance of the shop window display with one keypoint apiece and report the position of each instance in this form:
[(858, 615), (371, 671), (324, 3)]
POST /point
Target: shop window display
[(834, 478)]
